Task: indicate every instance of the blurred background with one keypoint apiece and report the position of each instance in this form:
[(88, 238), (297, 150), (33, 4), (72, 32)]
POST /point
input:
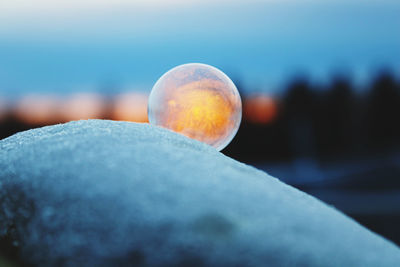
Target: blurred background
[(319, 80)]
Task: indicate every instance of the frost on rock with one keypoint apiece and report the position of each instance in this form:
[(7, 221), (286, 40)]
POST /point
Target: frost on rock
[(103, 193)]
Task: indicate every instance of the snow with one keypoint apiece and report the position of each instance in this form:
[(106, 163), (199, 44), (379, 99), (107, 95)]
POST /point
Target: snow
[(103, 193)]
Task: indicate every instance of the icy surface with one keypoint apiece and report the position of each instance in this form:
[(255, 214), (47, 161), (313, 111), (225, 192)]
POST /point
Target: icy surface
[(102, 193)]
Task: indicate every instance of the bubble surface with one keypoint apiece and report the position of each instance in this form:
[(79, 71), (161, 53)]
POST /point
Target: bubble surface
[(198, 101)]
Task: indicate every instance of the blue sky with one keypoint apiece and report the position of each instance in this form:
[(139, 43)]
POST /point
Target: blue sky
[(74, 45)]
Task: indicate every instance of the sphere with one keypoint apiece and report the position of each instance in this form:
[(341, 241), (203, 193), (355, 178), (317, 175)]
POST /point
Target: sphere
[(198, 101)]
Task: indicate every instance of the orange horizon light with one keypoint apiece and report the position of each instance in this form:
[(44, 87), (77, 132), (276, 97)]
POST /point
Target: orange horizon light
[(130, 107), (260, 109), (82, 106), (38, 109)]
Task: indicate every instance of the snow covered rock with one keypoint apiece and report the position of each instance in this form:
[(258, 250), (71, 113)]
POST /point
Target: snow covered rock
[(103, 193)]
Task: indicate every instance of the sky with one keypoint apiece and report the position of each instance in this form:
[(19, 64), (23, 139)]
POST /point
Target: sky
[(67, 46)]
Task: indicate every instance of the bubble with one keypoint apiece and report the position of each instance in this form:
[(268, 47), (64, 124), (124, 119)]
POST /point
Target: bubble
[(198, 101)]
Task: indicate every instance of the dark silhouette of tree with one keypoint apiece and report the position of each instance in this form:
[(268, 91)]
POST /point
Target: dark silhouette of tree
[(383, 112), (336, 119), (299, 106)]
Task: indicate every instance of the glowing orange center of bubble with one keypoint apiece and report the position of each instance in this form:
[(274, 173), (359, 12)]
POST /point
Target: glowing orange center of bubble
[(199, 111)]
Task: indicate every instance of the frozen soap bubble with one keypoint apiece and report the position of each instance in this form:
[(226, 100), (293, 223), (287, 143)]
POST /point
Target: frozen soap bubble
[(198, 101)]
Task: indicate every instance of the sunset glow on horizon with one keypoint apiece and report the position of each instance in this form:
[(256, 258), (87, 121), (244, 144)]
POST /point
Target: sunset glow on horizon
[(260, 109), (46, 109), (38, 109), (130, 107)]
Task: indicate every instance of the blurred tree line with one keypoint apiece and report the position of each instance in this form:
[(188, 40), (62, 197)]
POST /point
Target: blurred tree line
[(337, 122)]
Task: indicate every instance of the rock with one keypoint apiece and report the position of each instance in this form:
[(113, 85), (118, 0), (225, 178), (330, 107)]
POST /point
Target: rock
[(103, 193)]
